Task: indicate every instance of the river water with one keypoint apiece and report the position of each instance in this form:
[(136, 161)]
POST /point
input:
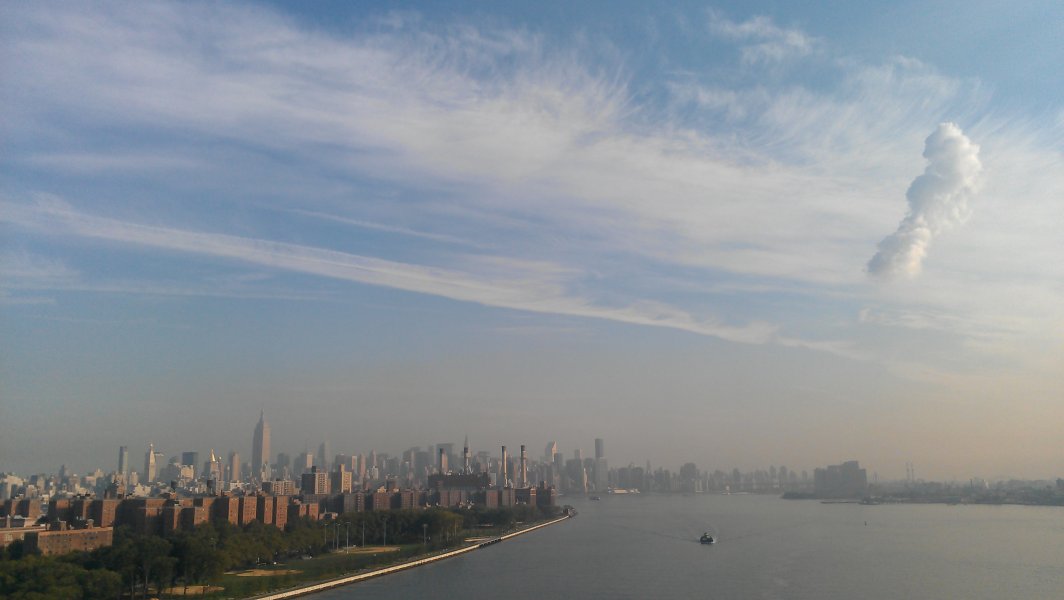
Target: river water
[(646, 546)]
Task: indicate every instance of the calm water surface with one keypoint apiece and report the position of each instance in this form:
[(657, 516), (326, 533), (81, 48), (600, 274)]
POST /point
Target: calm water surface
[(646, 546)]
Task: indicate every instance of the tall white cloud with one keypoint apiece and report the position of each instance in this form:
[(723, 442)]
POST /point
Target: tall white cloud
[(938, 200)]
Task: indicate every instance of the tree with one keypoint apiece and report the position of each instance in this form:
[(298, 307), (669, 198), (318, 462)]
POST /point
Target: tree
[(153, 560), (40, 578), (100, 584), (198, 559), (120, 557)]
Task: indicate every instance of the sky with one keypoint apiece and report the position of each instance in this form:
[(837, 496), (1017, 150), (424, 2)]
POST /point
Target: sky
[(738, 234)]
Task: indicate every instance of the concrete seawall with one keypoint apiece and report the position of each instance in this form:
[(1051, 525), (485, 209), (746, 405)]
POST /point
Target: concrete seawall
[(326, 585)]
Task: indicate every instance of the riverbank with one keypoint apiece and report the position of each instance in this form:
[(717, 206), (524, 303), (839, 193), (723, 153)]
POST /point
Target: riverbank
[(350, 579)]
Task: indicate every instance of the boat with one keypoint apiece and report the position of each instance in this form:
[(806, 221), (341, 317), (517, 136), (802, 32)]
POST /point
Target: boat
[(707, 539)]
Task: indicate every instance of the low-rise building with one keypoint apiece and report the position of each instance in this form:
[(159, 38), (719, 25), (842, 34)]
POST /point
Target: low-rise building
[(62, 541)]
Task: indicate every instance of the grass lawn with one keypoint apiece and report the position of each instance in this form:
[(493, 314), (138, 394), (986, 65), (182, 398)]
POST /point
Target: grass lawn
[(244, 583), (297, 571)]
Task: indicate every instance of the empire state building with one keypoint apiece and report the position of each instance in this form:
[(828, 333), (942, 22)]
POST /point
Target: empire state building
[(260, 454)]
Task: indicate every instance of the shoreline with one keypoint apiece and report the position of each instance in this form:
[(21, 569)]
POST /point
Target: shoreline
[(350, 579)]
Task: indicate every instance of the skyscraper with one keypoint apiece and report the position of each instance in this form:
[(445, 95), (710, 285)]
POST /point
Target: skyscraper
[(149, 464), (504, 475), (234, 466), (548, 454), (283, 466), (323, 457), (304, 462), (448, 449), (190, 459), (260, 454), (213, 468), (601, 468), (123, 463)]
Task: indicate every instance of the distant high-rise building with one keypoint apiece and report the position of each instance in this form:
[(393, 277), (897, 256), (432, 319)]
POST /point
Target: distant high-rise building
[(504, 475), (601, 470), (304, 462), (283, 466), (847, 480), (448, 449), (341, 480), (342, 459), (213, 468), (123, 463), (189, 459), (234, 467), (552, 449), (150, 465), (279, 487), (322, 461), (260, 450), (315, 482)]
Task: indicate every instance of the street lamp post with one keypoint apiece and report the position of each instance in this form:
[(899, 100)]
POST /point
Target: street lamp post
[(425, 534)]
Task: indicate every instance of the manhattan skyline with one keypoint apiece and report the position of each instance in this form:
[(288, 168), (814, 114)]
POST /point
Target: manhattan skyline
[(736, 233)]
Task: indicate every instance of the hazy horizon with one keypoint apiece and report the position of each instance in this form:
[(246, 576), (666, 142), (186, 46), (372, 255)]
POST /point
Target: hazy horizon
[(738, 234)]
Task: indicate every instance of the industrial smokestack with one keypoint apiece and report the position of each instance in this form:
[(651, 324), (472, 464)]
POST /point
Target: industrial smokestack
[(442, 461), (524, 467), (466, 457)]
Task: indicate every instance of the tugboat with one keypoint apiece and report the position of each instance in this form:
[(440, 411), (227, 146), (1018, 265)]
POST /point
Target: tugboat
[(707, 539)]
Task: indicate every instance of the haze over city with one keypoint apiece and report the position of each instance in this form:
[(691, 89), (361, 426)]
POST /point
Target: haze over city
[(742, 236)]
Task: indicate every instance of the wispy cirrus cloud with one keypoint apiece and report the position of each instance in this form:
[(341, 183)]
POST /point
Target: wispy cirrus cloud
[(529, 145), (762, 40), (406, 231), (85, 162), (533, 286)]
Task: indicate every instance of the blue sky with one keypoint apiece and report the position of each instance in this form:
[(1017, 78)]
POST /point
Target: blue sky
[(393, 224)]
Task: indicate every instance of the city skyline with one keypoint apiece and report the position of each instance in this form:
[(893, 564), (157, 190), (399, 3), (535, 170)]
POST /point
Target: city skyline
[(740, 233), (284, 465), (345, 473)]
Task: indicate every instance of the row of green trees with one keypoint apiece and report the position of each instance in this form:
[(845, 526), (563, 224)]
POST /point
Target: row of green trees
[(136, 563)]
